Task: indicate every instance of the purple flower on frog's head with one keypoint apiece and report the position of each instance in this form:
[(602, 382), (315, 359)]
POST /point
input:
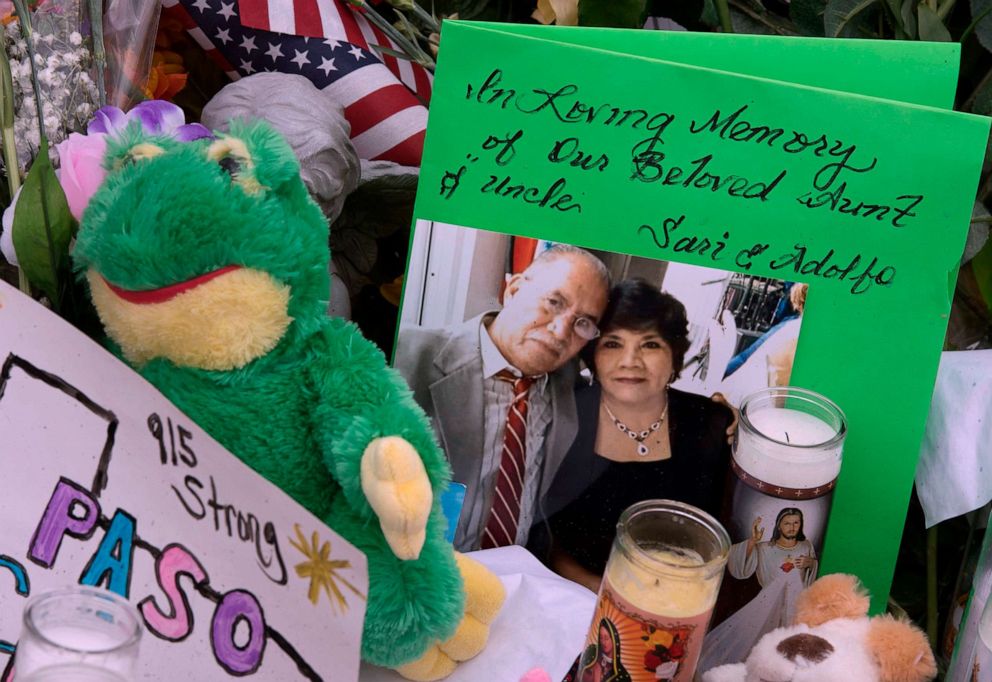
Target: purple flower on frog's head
[(157, 117)]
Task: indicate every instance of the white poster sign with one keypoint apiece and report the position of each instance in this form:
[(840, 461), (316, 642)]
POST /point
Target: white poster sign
[(106, 483)]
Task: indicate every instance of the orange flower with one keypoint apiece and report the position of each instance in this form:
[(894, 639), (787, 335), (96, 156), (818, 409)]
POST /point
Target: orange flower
[(167, 76)]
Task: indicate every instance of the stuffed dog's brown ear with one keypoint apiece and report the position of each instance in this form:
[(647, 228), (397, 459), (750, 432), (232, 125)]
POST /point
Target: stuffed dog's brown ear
[(837, 595), (901, 650)]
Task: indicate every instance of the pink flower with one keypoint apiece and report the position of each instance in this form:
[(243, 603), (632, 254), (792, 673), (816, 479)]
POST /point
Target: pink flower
[(81, 162)]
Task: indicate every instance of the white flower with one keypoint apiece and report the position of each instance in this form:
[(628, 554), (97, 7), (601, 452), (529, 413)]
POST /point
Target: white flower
[(39, 60), (75, 38), (48, 38)]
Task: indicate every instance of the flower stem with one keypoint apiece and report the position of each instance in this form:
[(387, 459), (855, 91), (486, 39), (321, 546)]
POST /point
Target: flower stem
[(409, 47), (24, 18), (9, 144), (99, 51)]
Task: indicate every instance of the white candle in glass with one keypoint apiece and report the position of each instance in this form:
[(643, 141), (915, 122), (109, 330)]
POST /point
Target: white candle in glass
[(792, 448)]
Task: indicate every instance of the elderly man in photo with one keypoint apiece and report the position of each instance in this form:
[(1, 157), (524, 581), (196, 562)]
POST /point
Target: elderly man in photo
[(499, 390)]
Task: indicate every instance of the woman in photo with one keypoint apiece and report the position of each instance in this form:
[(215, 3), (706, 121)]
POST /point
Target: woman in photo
[(638, 438)]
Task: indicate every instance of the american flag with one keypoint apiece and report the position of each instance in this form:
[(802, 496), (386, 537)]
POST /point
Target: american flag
[(333, 47)]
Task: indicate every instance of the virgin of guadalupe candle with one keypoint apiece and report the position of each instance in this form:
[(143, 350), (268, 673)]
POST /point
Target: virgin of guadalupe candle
[(657, 594), (786, 459)]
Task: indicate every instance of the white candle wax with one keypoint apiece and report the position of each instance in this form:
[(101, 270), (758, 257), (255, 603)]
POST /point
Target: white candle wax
[(779, 463), (690, 594)]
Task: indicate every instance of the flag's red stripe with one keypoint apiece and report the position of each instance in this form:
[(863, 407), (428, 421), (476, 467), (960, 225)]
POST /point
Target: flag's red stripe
[(254, 13), (388, 60), (423, 82), (351, 31), (378, 106), (307, 16), (408, 152), (179, 13)]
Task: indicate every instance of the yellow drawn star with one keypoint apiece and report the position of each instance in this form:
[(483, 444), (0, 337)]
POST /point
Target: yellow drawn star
[(322, 570)]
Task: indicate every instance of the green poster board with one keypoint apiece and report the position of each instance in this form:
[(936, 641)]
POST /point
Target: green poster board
[(565, 135)]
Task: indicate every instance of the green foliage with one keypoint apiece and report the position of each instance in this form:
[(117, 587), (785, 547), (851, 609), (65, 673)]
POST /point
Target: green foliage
[(614, 13), (981, 10), (43, 228), (808, 16), (931, 27), (981, 265), (851, 18)]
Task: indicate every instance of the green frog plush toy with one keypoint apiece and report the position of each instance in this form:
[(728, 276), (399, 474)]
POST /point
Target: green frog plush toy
[(208, 265)]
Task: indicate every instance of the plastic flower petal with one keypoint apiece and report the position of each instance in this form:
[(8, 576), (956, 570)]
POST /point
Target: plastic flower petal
[(81, 166), (7, 233), (157, 116), (106, 120), (191, 131)]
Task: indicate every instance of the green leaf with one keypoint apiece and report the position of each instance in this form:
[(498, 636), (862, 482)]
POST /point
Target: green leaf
[(612, 13), (43, 228), (931, 27), (895, 7), (807, 15), (709, 15), (982, 11), (909, 18), (981, 265), (850, 18)]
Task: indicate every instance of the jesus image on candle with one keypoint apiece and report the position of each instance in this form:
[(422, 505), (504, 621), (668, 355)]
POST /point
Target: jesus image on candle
[(788, 551), (784, 565)]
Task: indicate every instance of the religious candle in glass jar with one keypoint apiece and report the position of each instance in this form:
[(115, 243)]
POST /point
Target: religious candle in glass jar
[(786, 458), (657, 594)]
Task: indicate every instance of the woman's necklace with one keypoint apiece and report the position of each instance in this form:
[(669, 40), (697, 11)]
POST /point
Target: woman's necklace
[(638, 436)]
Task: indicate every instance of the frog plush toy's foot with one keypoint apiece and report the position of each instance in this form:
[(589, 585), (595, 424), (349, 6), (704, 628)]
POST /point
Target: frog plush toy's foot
[(395, 483), (484, 595)]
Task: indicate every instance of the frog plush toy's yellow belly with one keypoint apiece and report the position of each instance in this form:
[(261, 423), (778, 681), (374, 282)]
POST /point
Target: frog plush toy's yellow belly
[(219, 321)]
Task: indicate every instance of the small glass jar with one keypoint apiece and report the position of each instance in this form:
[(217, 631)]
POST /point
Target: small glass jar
[(78, 633), (657, 594)]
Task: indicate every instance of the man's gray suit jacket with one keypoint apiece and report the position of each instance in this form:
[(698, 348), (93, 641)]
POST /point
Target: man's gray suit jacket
[(444, 369)]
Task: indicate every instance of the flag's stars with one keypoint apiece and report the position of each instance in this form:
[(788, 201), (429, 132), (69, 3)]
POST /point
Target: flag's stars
[(226, 10), (301, 58), (333, 44), (202, 5), (224, 36), (327, 65), (247, 67), (248, 44), (357, 53), (274, 51)]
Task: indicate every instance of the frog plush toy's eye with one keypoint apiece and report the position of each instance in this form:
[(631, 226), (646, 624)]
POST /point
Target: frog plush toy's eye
[(233, 157), (137, 153)]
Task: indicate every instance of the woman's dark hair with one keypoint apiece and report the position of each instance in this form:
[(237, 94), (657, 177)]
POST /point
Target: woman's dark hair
[(638, 305)]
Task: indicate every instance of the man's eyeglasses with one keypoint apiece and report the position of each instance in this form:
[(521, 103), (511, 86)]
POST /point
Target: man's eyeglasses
[(583, 326)]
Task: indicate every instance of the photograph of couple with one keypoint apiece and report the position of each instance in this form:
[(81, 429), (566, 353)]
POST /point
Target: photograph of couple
[(566, 384)]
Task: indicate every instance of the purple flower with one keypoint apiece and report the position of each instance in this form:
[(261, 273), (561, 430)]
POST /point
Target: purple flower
[(157, 117)]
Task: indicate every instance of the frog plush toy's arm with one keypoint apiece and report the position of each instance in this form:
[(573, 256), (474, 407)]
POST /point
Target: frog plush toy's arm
[(376, 441)]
